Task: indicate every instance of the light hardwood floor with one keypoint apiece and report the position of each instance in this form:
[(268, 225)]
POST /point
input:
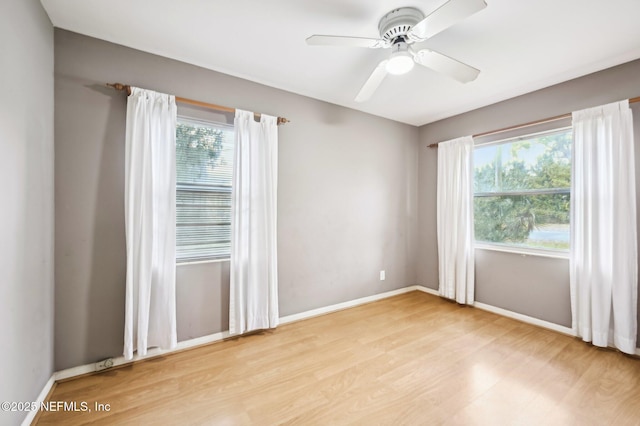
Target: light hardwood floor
[(411, 359)]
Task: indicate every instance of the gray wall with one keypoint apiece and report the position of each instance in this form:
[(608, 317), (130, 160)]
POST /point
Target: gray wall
[(531, 285), (347, 204), (348, 197), (26, 216)]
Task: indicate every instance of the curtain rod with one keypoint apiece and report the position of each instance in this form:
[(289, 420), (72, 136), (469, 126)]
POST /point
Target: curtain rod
[(529, 124), (127, 88)]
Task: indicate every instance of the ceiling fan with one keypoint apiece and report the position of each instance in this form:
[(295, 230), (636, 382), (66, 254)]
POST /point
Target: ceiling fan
[(399, 30)]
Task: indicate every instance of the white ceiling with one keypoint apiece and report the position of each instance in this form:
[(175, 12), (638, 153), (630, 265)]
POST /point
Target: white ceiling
[(519, 45)]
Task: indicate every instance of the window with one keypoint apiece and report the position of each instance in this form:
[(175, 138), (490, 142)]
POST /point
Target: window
[(204, 160), (522, 191)]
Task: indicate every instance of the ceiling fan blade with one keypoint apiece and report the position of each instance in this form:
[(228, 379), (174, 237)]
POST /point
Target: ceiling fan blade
[(329, 40), (372, 83), (443, 64), (445, 16)]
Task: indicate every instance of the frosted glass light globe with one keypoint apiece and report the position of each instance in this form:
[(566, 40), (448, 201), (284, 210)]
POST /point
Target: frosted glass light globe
[(400, 63)]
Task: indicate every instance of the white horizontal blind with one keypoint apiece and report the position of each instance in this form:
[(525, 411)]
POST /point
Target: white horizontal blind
[(204, 165)]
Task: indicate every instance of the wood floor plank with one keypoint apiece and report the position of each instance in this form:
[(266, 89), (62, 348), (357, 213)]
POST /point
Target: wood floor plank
[(408, 360)]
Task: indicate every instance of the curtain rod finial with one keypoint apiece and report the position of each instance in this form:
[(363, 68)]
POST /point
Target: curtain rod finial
[(121, 87)]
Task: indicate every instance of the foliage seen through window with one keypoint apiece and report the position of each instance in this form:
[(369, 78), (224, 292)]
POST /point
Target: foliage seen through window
[(522, 191)]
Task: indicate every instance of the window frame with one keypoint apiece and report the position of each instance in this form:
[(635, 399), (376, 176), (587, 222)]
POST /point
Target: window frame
[(514, 136), (207, 188)]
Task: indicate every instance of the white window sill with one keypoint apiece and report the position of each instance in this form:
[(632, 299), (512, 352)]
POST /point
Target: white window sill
[(197, 262), (523, 251)]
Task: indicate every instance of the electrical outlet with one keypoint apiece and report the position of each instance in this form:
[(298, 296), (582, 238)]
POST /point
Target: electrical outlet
[(382, 275), (104, 364)]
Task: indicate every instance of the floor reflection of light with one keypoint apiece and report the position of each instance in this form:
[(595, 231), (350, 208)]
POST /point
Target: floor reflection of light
[(521, 392), (482, 377)]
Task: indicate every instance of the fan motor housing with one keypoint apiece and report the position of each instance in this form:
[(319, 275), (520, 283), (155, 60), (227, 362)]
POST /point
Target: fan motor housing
[(398, 22)]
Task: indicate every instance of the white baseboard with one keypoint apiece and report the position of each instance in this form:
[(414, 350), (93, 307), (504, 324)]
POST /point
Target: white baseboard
[(344, 305), (511, 314), (525, 318), (427, 290), (211, 338), (534, 321), (90, 368), (40, 399), (151, 353)]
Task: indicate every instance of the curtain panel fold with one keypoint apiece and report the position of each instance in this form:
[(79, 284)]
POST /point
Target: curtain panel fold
[(455, 220), (254, 261), (150, 222), (603, 261)]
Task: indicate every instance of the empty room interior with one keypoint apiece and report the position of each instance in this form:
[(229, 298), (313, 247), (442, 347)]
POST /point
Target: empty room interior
[(320, 212)]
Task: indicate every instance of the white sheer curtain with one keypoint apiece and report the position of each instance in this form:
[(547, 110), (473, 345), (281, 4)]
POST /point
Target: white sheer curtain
[(150, 219), (604, 268), (254, 261), (455, 219)]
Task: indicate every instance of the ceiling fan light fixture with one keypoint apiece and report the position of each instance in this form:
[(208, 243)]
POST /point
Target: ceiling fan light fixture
[(400, 63), (399, 29)]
